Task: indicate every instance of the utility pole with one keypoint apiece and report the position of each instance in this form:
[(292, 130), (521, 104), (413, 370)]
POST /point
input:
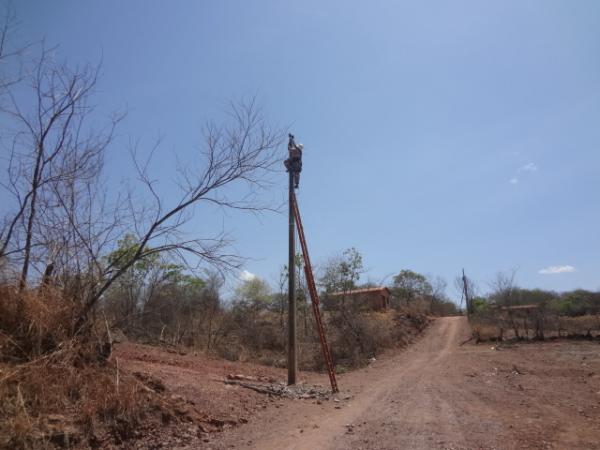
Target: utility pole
[(293, 165), (466, 292), (292, 360)]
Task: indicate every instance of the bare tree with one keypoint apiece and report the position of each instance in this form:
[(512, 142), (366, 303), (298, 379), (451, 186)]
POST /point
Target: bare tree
[(10, 73), (213, 307), (282, 283), (504, 294), (61, 214), (55, 158), (438, 291), (504, 288), (242, 151)]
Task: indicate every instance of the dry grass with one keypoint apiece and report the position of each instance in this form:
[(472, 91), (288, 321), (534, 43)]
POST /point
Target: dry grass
[(353, 336), (33, 323), (583, 325), (484, 332), (57, 389), (494, 326), (52, 403), (357, 337), (60, 388)]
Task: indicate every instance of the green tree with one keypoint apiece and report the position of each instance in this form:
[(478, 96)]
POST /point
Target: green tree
[(480, 305), (533, 296), (254, 293), (576, 303), (341, 273), (408, 285), (147, 289)]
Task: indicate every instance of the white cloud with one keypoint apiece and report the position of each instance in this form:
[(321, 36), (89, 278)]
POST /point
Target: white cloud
[(553, 270), (246, 276), (531, 167)]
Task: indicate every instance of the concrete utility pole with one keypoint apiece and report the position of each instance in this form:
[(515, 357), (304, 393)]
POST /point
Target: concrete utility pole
[(292, 361), (294, 166)]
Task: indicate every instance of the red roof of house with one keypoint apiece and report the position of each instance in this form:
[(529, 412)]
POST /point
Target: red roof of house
[(382, 290)]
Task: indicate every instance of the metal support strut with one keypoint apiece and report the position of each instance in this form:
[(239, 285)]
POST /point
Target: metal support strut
[(314, 296)]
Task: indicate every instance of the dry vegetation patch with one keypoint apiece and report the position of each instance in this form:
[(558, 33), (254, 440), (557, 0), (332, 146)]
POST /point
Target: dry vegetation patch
[(499, 326), (60, 388), (55, 402), (63, 386)]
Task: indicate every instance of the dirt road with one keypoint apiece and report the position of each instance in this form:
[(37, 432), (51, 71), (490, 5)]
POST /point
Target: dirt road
[(438, 394)]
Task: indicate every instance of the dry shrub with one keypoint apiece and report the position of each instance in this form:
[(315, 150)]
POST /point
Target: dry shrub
[(581, 326), (418, 307), (357, 337), (250, 335), (353, 336), (483, 332), (537, 324), (412, 317), (57, 389), (310, 356), (33, 323), (57, 404)]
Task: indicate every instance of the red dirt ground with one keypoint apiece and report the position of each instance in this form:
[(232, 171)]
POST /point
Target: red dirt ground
[(436, 394)]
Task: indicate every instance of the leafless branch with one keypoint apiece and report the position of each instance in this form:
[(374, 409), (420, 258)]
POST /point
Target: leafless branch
[(241, 152)]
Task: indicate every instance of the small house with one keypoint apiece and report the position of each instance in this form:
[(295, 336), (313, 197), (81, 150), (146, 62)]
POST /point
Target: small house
[(365, 299)]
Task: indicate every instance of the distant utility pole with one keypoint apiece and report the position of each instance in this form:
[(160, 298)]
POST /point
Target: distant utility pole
[(294, 166), (466, 292)]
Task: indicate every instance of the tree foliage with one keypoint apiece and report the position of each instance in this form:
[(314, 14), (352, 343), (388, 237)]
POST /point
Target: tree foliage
[(342, 273), (408, 285), (254, 293)]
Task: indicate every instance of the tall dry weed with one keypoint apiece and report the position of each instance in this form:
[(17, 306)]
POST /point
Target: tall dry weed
[(57, 387), (33, 322)]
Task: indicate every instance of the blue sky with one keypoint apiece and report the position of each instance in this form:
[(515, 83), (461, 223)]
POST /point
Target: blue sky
[(438, 135)]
